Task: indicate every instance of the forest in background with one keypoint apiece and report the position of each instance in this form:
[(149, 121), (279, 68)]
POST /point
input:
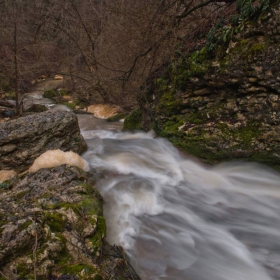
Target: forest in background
[(104, 49)]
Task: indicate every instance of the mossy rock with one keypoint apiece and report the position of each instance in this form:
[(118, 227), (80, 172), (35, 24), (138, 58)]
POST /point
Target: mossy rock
[(70, 105), (51, 94), (66, 233), (133, 121), (37, 108), (6, 185), (117, 117)]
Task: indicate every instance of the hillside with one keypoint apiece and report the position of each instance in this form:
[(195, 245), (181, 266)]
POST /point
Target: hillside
[(221, 102)]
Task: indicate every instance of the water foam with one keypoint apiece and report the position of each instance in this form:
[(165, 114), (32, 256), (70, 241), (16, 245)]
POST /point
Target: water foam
[(178, 219)]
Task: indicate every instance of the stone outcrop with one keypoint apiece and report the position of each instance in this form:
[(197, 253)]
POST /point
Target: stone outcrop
[(224, 106), (22, 140), (51, 227)]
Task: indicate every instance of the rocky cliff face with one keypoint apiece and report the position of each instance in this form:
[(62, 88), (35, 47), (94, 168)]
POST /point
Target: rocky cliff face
[(224, 106)]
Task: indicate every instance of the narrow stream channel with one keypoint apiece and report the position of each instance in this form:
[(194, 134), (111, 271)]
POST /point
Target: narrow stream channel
[(178, 219)]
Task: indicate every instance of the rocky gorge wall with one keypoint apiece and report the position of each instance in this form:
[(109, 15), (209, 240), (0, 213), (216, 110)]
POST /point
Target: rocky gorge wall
[(222, 106)]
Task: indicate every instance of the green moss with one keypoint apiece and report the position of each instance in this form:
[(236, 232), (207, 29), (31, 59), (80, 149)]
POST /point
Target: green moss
[(65, 264), (117, 117), (133, 120), (168, 104), (23, 271), (6, 185), (171, 126), (184, 68), (257, 48), (56, 222), (24, 225), (47, 195), (37, 108), (91, 190), (21, 194), (197, 148), (90, 206), (63, 92), (267, 158), (49, 94), (196, 117), (64, 258), (99, 235), (207, 148), (70, 105), (247, 134), (65, 205), (240, 49)]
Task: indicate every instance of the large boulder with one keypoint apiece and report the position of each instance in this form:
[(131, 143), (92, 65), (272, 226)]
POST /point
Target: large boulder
[(51, 227), (22, 140)]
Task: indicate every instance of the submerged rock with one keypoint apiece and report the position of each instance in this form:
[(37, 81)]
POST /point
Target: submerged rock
[(22, 140), (51, 227)]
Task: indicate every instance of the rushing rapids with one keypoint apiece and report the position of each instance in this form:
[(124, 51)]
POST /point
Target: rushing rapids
[(178, 219)]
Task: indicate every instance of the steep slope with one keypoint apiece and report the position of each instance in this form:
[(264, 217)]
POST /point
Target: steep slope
[(221, 101)]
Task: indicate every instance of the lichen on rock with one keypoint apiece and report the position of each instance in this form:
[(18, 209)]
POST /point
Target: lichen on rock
[(52, 225)]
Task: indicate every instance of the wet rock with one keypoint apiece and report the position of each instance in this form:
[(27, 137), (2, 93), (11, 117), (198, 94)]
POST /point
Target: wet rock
[(37, 108), (22, 140), (34, 98), (224, 107), (51, 225)]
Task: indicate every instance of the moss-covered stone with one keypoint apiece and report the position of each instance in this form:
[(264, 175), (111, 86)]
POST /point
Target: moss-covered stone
[(100, 233), (37, 108), (50, 94), (5, 185), (117, 117), (70, 105), (53, 220), (133, 120)]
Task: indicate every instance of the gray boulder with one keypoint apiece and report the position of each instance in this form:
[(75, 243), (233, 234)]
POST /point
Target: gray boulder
[(22, 140)]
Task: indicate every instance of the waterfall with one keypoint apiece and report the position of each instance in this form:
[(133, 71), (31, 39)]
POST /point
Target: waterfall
[(179, 219)]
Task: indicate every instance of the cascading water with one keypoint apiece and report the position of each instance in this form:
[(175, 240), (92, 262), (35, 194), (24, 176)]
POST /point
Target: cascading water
[(180, 220)]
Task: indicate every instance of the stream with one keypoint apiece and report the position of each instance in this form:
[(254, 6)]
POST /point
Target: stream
[(178, 219)]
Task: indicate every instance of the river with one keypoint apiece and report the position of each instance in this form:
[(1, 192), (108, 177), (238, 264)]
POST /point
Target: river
[(178, 219)]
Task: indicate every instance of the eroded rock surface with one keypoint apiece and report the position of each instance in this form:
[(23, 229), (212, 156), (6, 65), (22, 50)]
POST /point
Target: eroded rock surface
[(51, 227), (22, 140), (224, 106)]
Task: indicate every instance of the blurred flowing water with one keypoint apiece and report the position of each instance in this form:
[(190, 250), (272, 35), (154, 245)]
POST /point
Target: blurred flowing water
[(178, 219)]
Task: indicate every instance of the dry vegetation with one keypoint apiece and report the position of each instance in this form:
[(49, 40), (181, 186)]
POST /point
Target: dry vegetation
[(103, 47)]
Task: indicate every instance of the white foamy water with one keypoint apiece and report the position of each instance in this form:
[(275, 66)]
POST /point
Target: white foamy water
[(180, 220)]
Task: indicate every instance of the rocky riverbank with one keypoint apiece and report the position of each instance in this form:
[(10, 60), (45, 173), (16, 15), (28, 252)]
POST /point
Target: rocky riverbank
[(223, 106), (51, 220)]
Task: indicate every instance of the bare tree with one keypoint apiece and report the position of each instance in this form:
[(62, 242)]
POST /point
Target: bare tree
[(106, 47)]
